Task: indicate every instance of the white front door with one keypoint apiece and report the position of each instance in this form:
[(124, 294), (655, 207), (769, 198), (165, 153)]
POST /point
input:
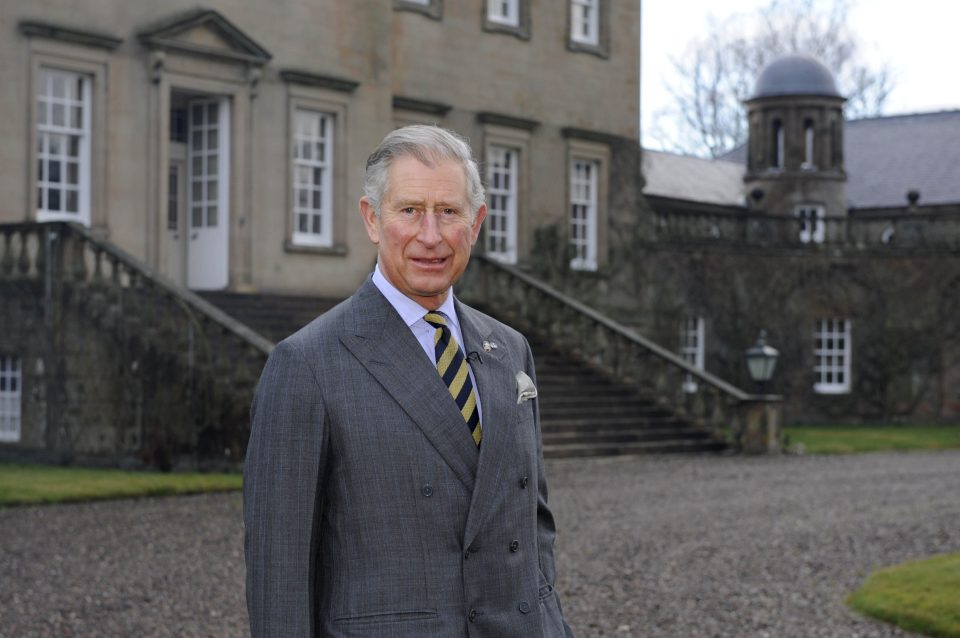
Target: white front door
[(208, 186)]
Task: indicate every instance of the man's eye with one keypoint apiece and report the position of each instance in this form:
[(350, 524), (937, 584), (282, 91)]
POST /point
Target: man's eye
[(449, 211), (409, 210)]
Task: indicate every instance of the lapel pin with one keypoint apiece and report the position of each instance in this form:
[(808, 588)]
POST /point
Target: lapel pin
[(489, 345)]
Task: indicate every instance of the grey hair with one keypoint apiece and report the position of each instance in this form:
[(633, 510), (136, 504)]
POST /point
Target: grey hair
[(428, 144)]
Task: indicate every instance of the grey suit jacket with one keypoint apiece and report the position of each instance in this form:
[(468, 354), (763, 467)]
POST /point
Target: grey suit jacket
[(368, 509)]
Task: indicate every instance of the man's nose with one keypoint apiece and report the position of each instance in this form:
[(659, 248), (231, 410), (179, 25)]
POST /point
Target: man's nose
[(429, 234)]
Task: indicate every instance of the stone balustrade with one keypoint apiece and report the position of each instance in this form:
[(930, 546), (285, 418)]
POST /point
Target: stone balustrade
[(609, 347), (132, 365), (923, 231)]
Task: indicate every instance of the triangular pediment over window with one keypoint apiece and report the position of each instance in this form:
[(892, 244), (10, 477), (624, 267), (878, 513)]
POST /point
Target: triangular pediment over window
[(204, 32)]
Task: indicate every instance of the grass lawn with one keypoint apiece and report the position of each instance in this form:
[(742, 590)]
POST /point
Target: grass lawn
[(921, 597), (23, 484), (847, 439)]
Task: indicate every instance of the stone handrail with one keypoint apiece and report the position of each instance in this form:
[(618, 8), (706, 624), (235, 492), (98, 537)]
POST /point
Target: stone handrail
[(91, 260), (187, 369), (606, 345), (863, 231)]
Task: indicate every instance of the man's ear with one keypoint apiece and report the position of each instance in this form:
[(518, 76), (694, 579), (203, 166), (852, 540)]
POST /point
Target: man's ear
[(370, 220), (477, 221)]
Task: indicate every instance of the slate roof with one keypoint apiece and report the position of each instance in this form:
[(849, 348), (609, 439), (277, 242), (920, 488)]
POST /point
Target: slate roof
[(693, 178), (887, 156)]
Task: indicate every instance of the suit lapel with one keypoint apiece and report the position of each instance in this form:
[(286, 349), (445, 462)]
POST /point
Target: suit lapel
[(496, 383), (384, 345)]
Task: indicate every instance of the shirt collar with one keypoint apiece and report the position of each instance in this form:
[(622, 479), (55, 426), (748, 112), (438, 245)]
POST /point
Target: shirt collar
[(408, 309)]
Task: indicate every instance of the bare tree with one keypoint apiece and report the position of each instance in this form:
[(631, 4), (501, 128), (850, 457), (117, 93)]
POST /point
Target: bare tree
[(719, 71)]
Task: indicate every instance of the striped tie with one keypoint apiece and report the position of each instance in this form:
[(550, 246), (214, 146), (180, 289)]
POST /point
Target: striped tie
[(453, 369)]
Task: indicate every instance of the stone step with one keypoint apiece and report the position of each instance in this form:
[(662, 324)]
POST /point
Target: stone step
[(592, 424), (672, 446), (602, 435)]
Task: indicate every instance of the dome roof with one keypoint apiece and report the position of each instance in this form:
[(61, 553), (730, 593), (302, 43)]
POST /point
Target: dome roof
[(795, 75)]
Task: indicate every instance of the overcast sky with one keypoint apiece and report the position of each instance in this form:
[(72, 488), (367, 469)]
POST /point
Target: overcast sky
[(917, 39)]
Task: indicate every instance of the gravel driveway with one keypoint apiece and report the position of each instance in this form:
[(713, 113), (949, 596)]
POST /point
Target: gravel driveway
[(649, 546)]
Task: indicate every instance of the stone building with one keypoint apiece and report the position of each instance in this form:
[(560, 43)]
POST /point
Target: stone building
[(223, 148), (841, 239), (155, 151)]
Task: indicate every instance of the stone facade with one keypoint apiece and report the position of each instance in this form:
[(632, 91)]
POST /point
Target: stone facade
[(843, 244), (223, 147), (366, 66)]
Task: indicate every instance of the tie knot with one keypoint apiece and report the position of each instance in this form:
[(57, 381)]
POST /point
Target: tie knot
[(435, 319)]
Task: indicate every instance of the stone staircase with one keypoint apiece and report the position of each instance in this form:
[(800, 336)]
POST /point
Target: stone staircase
[(583, 413), (273, 316)]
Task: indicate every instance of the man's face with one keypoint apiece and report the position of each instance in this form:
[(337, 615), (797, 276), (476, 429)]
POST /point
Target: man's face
[(425, 229)]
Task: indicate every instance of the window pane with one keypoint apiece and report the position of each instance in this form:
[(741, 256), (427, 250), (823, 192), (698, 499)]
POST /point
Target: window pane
[(196, 216), (59, 117), (76, 117), (73, 146), (73, 173), (72, 202), (212, 139), (54, 200), (212, 216), (212, 190), (59, 86)]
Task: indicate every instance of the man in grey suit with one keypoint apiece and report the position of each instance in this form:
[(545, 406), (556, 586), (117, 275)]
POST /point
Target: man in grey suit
[(394, 482)]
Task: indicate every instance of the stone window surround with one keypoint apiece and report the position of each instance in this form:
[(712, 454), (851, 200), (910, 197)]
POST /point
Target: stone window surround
[(602, 47), (809, 148), (93, 63), (431, 8), (812, 225), (77, 94), (11, 398), (515, 133), (334, 103), (585, 145), (408, 111), (832, 328), (778, 139), (692, 347), (521, 29), (324, 237)]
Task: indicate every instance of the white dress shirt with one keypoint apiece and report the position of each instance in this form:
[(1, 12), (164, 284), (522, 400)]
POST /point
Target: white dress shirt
[(412, 314)]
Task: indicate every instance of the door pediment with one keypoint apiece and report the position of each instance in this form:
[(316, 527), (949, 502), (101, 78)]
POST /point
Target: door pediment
[(207, 33)]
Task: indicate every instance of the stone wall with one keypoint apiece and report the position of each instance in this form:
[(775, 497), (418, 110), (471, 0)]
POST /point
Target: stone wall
[(118, 370)]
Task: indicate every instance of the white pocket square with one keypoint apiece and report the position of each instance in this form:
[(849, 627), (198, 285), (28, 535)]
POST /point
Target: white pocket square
[(525, 388)]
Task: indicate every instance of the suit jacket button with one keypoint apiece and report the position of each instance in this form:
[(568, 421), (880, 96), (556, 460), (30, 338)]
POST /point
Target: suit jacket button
[(472, 616), (427, 490), (524, 608), (523, 483), (514, 545)]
